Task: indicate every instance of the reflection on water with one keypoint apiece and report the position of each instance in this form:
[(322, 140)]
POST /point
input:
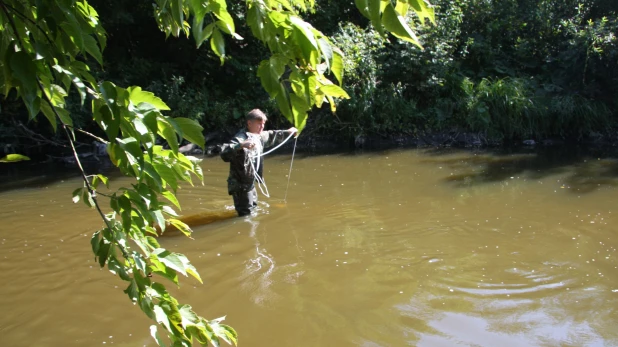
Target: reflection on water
[(394, 248)]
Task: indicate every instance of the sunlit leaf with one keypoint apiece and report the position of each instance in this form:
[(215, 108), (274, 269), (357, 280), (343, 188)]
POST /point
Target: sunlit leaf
[(182, 227), (334, 91), (132, 291), (270, 71), (137, 96), (191, 130), (337, 65), (12, 158), (172, 198), (217, 44), (363, 7), (77, 195), (397, 25), (423, 10)]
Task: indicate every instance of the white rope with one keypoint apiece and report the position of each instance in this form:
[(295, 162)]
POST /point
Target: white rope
[(279, 145), (290, 173), (259, 179)]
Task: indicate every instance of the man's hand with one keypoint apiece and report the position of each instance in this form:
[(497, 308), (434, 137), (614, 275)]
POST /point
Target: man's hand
[(248, 144), (293, 130)]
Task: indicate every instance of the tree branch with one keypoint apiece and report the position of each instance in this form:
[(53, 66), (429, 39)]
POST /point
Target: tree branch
[(68, 135), (89, 134)]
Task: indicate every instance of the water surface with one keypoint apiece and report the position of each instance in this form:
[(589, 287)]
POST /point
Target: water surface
[(392, 248)]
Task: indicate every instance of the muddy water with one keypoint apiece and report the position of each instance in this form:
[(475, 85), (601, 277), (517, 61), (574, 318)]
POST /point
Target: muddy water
[(396, 248)]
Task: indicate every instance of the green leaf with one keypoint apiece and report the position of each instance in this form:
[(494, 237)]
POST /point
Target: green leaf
[(402, 7), (198, 7), (191, 130), (270, 71), (217, 44), (151, 172), (363, 7), (57, 95), (334, 91), (158, 216), (145, 303), (299, 110), (73, 33), (87, 198), (337, 65), (327, 51), (132, 291), (103, 252), (422, 10), (90, 44), (284, 103), (166, 130), (305, 38), (397, 25), (176, 261), (188, 316), (191, 270), (305, 29), (116, 267), (177, 13), (49, 114), (375, 14), (103, 179), (132, 149), (200, 34), (157, 267), (24, 70), (155, 336), (64, 115), (230, 333), (167, 174), (182, 227), (138, 96), (172, 198), (77, 195), (12, 158), (95, 242), (255, 20)]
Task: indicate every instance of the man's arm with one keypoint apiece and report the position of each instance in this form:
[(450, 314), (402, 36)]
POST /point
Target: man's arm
[(230, 150), (275, 137)]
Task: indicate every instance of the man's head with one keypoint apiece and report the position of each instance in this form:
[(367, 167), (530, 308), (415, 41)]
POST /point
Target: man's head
[(255, 121)]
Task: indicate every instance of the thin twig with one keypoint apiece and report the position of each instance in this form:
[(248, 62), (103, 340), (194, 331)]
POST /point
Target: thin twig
[(31, 135), (89, 134)]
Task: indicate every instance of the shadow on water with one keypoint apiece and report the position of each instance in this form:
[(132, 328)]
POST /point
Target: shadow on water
[(36, 174), (585, 169)]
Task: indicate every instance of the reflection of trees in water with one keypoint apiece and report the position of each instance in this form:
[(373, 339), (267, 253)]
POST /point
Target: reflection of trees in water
[(584, 169)]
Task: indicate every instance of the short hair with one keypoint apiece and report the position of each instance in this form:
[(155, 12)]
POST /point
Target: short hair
[(256, 114)]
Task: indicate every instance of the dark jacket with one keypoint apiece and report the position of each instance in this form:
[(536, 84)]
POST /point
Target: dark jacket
[(241, 172)]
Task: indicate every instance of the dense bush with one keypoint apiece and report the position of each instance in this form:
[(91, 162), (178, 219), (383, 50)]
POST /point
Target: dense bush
[(510, 69)]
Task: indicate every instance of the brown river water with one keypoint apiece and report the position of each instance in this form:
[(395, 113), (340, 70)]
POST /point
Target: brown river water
[(389, 248)]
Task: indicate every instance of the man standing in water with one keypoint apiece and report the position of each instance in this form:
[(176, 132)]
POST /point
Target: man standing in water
[(243, 153)]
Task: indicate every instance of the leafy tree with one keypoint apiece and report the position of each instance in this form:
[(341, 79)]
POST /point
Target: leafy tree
[(47, 49)]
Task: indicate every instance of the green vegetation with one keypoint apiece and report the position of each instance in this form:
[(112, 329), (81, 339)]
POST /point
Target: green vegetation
[(559, 55), (510, 70)]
